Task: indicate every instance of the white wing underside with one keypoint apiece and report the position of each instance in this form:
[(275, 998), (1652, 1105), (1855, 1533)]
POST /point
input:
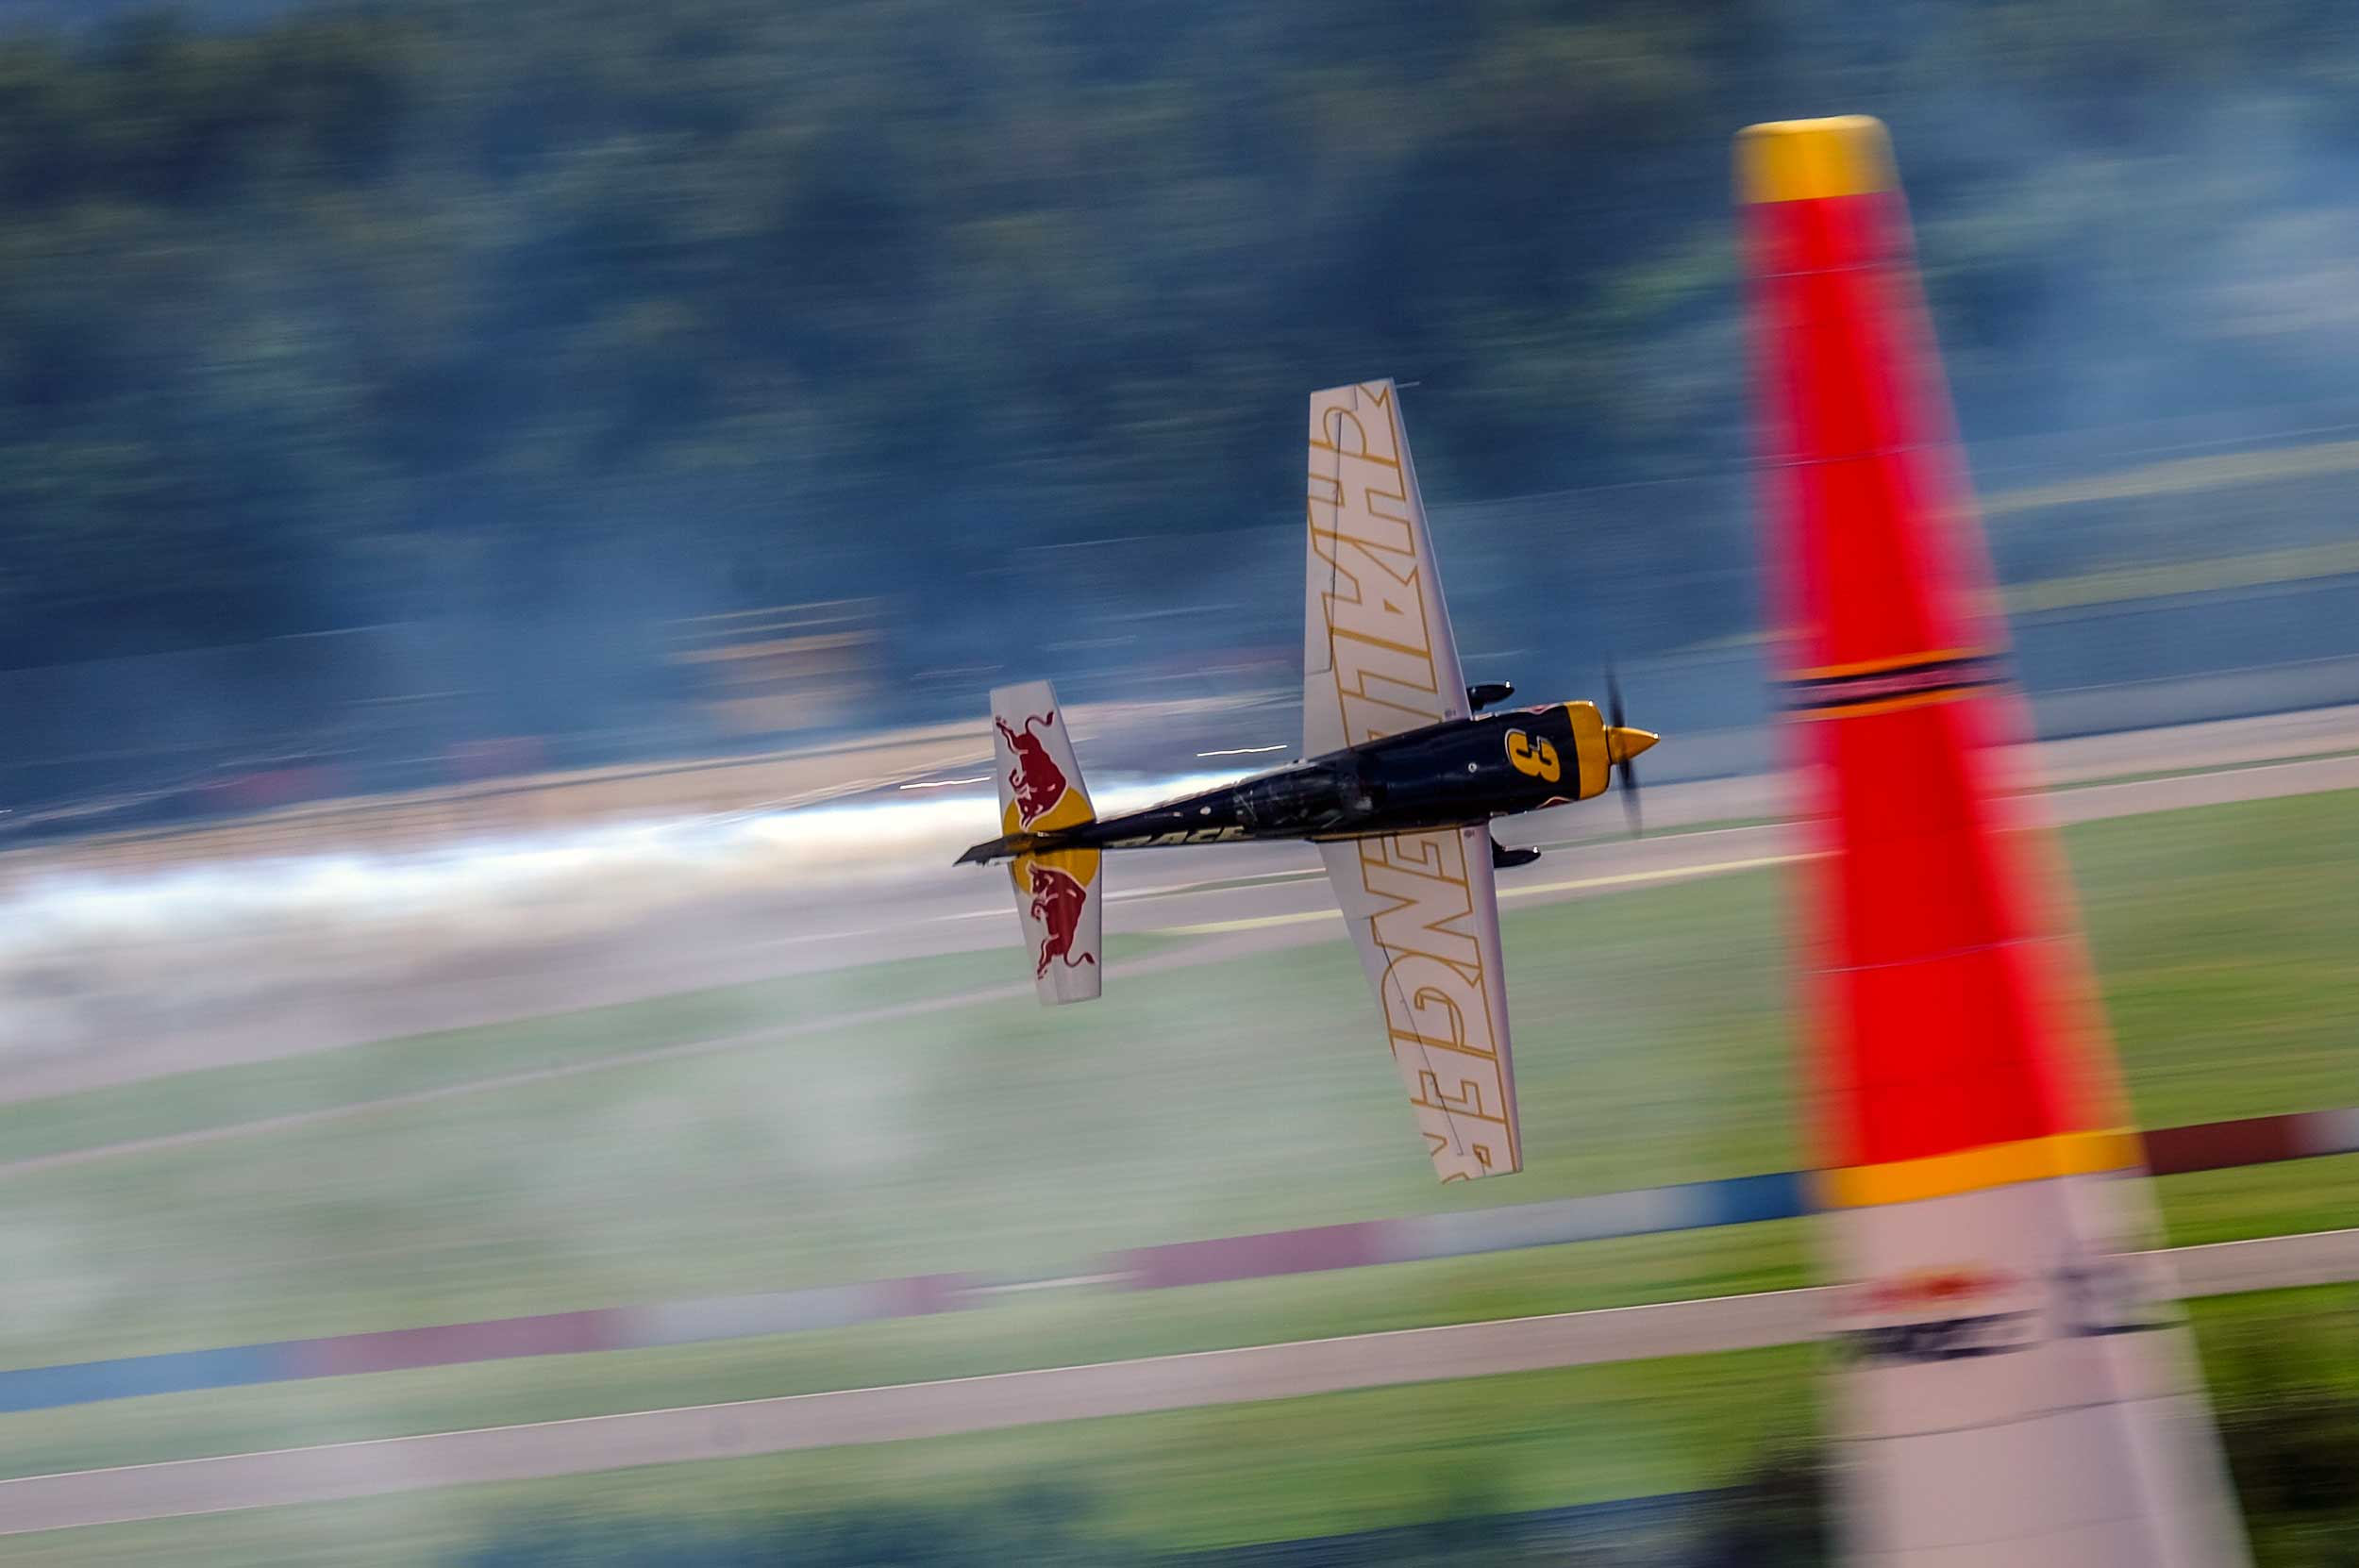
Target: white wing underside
[(1422, 914), (1379, 658)]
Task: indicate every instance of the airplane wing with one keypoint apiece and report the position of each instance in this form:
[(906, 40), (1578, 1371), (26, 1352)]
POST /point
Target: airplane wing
[(1378, 657), (1426, 918)]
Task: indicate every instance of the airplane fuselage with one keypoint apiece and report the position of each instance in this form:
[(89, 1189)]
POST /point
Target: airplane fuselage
[(1451, 774)]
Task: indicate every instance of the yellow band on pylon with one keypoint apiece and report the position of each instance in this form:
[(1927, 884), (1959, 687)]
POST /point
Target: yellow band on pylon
[(1792, 160), (1944, 1175)]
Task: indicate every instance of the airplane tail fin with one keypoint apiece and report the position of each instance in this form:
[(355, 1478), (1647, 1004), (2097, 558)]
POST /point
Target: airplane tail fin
[(1058, 892)]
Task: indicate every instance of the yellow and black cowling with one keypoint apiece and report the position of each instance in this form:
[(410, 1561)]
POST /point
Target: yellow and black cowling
[(1531, 758)]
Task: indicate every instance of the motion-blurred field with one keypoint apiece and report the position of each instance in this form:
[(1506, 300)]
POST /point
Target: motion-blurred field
[(568, 1163), (989, 1135)]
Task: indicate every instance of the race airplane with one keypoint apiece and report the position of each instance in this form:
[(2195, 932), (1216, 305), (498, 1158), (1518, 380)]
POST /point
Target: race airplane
[(1402, 773)]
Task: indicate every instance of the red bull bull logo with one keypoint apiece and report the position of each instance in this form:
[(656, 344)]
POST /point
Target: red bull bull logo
[(1036, 781), (1936, 1288), (1057, 900), (1943, 1314)]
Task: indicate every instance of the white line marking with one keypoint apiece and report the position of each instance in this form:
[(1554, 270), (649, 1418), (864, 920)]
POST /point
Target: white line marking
[(1250, 923), (1616, 879), (1243, 751), (1066, 1282), (1666, 873)]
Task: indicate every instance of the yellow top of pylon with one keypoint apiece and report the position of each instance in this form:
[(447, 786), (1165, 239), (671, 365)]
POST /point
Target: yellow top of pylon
[(1792, 160)]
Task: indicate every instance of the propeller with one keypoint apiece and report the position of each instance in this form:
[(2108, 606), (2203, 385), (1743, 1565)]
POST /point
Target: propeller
[(1628, 767)]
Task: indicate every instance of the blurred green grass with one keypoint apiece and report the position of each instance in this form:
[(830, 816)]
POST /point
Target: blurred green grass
[(1272, 1471), (1180, 1478)]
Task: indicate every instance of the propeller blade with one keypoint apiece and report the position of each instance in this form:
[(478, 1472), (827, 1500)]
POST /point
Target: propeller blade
[(1622, 765)]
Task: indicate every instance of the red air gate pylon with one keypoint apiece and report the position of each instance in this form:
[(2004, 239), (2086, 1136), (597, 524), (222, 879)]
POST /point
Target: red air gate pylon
[(2009, 1390)]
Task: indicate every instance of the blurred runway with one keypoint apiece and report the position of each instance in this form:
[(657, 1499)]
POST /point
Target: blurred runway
[(117, 981), (898, 1413)]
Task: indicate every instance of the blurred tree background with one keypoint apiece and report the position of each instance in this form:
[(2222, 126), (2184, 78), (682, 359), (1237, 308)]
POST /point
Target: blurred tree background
[(317, 315)]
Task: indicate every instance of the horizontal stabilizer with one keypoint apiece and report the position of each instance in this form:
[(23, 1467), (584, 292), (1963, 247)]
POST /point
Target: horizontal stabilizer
[(1006, 848)]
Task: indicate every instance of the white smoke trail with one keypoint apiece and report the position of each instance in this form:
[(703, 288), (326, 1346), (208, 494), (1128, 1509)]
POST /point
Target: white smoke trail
[(82, 953)]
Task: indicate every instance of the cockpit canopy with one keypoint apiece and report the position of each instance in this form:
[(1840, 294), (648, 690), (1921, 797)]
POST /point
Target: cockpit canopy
[(1311, 795)]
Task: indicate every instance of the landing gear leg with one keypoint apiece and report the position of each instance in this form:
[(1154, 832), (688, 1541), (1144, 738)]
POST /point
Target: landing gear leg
[(1502, 857)]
